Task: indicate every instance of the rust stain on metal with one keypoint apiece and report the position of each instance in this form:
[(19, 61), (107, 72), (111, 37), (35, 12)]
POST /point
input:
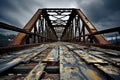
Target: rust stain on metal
[(82, 62), (49, 59), (39, 73), (72, 68), (33, 72), (93, 73)]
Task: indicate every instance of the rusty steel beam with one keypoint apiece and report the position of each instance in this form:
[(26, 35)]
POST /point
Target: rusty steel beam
[(116, 29), (19, 39), (91, 28), (13, 28)]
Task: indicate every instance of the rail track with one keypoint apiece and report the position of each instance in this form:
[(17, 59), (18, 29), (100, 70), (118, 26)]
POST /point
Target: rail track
[(61, 61)]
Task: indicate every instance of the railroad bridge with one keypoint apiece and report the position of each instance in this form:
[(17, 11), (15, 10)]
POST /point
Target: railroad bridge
[(59, 44)]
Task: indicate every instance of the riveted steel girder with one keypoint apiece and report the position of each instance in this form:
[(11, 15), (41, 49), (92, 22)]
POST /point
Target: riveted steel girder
[(19, 39)]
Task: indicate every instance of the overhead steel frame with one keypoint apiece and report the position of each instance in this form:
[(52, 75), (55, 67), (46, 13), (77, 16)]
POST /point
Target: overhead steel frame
[(75, 27), (40, 28)]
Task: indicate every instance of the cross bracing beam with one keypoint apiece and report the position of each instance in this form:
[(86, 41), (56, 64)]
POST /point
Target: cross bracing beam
[(48, 20), (72, 15)]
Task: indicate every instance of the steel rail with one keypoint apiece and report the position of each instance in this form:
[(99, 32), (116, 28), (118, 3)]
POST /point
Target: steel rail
[(14, 28)]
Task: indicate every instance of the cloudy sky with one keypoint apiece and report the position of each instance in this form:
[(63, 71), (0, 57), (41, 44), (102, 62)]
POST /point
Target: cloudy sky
[(102, 13)]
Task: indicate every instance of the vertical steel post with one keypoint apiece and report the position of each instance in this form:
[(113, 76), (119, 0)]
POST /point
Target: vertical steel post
[(21, 37), (83, 30), (35, 31)]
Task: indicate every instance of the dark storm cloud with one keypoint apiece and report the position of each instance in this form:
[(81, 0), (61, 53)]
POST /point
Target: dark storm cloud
[(17, 12), (114, 5), (112, 15), (103, 13)]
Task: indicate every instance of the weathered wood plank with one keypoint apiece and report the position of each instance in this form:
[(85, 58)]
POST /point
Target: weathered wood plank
[(106, 51), (52, 56), (70, 46), (22, 56), (72, 68), (109, 59), (9, 64), (89, 58), (67, 71), (34, 53), (36, 72), (110, 70), (117, 60)]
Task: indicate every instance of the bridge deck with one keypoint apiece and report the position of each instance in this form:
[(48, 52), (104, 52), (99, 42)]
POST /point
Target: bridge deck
[(61, 61)]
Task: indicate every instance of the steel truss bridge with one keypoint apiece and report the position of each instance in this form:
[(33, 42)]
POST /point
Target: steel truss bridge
[(59, 44)]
